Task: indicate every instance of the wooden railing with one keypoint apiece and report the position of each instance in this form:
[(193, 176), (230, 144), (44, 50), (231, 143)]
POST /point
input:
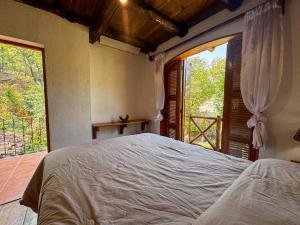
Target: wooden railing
[(207, 124), (22, 135)]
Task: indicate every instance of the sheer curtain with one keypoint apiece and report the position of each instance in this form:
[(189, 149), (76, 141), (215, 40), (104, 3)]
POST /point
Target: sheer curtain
[(262, 64), (159, 85)]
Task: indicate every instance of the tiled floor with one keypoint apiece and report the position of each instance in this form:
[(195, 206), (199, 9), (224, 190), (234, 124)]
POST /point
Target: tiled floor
[(15, 174)]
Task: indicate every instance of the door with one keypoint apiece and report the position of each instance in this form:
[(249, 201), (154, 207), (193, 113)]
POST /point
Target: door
[(171, 125), (236, 136), (24, 133)]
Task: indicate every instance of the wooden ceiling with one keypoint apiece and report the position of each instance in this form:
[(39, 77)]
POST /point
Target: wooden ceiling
[(141, 23)]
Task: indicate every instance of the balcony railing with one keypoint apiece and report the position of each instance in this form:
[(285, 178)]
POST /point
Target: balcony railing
[(20, 136), (205, 131)]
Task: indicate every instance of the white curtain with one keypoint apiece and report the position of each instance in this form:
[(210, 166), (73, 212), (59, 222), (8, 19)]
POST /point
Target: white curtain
[(159, 85), (262, 64)]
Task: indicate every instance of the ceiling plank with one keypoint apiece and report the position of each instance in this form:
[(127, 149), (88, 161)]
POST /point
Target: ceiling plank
[(165, 22), (103, 21), (58, 11), (159, 25), (232, 5), (210, 10), (143, 45)]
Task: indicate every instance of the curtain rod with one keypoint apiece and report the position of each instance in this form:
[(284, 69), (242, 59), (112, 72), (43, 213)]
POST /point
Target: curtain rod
[(151, 58)]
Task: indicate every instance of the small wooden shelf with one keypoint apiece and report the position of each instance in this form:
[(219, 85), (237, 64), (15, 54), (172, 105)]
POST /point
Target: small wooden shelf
[(97, 126)]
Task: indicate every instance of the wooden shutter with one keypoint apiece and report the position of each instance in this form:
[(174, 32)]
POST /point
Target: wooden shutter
[(172, 113), (236, 136)]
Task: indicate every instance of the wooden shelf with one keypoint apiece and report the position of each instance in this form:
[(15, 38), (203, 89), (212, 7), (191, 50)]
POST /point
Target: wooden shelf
[(97, 126)]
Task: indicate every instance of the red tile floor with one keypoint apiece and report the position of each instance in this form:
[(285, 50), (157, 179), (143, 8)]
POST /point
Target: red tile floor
[(15, 174)]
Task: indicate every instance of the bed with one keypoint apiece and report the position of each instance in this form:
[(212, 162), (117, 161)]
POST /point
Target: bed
[(148, 179), (138, 179)]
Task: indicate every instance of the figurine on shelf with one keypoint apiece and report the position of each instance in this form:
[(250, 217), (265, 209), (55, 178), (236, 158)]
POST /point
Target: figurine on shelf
[(124, 120)]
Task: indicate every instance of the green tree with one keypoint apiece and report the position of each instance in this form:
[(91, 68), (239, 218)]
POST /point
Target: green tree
[(22, 94), (205, 96), (21, 61), (207, 86)]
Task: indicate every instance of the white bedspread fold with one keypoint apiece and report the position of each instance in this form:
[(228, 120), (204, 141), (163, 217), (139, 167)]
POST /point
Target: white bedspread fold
[(266, 193)]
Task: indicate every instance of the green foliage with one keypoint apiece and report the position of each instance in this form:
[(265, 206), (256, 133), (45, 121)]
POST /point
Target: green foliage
[(22, 95), (207, 87), (22, 62), (205, 95)]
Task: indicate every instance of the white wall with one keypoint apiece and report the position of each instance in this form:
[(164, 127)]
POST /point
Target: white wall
[(285, 114), (121, 83), (85, 82), (67, 68)]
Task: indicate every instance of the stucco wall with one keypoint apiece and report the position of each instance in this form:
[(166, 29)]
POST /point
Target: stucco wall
[(121, 83), (85, 82), (67, 68), (284, 116)]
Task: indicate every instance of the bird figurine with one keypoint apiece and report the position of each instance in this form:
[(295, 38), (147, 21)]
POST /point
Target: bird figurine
[(124, 120)]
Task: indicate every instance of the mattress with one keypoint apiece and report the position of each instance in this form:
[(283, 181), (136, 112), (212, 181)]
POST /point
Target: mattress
[(139, 179)]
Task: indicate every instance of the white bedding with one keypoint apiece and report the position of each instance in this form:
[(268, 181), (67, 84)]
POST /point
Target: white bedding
[(132, 180), (266, 193)]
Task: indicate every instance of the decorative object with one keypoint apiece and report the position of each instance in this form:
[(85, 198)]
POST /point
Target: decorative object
[(124, 120), (262, 64), (297, 136)]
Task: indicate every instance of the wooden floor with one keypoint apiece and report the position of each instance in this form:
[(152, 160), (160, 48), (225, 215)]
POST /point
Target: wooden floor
[(15, 174), (15, 214)]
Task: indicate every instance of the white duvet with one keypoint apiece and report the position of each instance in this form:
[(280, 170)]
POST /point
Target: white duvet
[(135, 180)]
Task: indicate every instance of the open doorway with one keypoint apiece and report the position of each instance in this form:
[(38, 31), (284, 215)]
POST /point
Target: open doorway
[(203, 100), (204, 97), (24, 136)]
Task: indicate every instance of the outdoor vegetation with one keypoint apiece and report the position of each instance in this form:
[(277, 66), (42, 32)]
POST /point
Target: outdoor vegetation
[(204, 95), (207, 87), (22, 104)]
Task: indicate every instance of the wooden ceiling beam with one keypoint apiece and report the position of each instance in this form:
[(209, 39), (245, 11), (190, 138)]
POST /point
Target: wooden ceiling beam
[(232, 5), (103, 21), (214, 8), (159, 18), (209, 11), (53, 8), (143, 45), (218, 6)]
